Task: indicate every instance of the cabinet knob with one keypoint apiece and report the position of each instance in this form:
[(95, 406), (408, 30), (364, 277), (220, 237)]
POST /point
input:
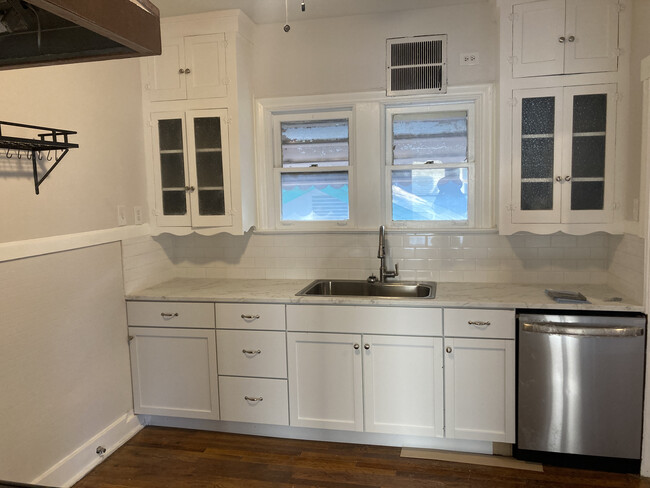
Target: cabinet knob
[(567, 178), (571, 38), (562, 39), (356, 346), (253, 399), (131, 338), (181, 71), (190, 188), (558, 179), (166, 315), (366, 346), (448, 349), (187, 71), (479, 324)]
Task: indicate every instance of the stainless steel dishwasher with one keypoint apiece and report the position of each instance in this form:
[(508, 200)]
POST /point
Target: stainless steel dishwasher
[(580, 388)]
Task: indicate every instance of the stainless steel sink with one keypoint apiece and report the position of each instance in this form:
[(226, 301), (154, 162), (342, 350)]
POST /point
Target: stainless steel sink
[(352, 288)]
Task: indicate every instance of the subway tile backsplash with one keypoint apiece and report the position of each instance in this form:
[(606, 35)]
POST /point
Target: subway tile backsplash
[(526, 258)]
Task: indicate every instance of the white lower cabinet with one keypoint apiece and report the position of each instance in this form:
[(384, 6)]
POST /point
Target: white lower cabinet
[(480, 375), (257, 400), (325, 381), (174, 372), (392, 384), (403, 385)]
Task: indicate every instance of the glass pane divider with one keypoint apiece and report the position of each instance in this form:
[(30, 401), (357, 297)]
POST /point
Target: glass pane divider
[(589, 134), (581, 179), (536, 180), (171, 151), (537, 136), (208, 188), (208, 149), (172, 188)]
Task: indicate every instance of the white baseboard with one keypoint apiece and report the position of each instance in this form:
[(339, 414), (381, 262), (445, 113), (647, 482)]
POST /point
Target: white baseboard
[(82, 460)]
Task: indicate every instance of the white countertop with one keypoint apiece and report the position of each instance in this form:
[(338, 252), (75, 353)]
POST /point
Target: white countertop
[(479, 295)]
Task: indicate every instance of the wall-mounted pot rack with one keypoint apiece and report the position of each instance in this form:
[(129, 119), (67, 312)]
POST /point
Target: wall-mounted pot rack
[(49, 140)]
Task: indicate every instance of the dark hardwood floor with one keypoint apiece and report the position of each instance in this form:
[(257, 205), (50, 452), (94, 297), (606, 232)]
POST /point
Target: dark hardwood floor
[(163, 457)]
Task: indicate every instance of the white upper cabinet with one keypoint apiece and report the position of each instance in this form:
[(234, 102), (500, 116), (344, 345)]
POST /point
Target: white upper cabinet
[(192, 168), (563, 148), (198, 104), (552, 37), (189, 67)]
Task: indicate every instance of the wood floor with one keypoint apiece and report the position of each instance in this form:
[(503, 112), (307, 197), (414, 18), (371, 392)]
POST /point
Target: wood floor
[(169, 458)]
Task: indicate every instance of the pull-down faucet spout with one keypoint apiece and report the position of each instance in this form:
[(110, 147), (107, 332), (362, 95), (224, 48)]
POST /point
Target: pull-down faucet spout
[(381, 254)]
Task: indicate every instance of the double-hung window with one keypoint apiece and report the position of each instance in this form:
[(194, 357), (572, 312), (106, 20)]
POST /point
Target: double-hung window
[(430, 165), (312, 167)]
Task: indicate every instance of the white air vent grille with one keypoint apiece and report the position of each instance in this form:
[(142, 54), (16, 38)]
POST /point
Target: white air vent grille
[(416, 65)]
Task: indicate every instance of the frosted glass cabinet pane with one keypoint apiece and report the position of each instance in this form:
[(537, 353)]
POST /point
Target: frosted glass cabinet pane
[(172, 166), (588, 151), (209, 165), (537, 153)]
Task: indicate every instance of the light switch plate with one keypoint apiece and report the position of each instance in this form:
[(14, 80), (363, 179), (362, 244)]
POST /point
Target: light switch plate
[(137, 215)]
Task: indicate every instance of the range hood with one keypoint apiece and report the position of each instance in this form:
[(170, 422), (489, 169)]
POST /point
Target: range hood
[(45, 32)]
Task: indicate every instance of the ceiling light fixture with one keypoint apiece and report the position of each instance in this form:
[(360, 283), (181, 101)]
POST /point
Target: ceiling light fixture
[(287, 27)]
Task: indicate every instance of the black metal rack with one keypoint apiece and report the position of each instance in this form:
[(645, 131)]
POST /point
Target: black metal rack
[(48, 140)]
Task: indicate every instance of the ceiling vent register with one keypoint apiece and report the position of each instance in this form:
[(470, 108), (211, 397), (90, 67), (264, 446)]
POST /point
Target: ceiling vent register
[(416, 65)]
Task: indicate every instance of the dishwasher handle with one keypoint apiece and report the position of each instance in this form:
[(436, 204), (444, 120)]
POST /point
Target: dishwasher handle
[(582, 330)]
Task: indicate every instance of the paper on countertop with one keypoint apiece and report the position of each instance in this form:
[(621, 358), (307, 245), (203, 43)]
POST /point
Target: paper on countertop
[(566, 296)]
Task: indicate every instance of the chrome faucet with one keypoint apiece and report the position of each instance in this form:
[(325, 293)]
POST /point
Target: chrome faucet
[(381, 254)]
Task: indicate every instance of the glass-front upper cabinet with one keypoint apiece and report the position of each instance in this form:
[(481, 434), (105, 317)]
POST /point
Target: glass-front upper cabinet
[(563, 152), (191, 171)]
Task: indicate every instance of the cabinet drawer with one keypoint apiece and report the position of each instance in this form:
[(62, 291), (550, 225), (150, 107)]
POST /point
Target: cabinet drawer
[(171, 314), (365, 320), (262, 401), (494, 324), (252, 353), (261, 316)]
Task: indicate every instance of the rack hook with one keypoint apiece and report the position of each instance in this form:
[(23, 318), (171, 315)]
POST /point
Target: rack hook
[(9, 156), (19, 156), (29, 155), (40, 155), (49, 157)]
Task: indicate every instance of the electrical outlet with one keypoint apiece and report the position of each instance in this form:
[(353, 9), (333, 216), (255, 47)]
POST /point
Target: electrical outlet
[(469, 59), (121, 215), (137, 215)]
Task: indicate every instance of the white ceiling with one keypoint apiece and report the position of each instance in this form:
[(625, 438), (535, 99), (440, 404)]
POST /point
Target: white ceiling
[(271, 11)]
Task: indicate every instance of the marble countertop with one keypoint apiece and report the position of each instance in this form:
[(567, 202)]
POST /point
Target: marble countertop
[(478, 295)]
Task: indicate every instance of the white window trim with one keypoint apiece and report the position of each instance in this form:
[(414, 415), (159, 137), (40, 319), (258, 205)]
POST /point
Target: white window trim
[(367, 150), (278, 170), (397, 109)]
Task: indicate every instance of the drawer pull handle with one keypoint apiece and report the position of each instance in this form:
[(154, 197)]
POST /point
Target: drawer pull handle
[(253, 399), (249, 316), (165, 315), (449, 349), (251, 352), (479, 324)]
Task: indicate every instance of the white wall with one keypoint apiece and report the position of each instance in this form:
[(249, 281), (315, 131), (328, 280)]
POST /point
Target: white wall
[(64, 363), (348, 54), (640, 49), (102, 102), (64, 358)]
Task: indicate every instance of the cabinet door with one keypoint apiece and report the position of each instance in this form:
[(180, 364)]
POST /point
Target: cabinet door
[(174, 372), (538, 30), (167, 78), (403, 385), (206, 66), (537, 155), (325, 381), (480, 389), (588, 169), (171, 169), (592, 36), (209, 171)]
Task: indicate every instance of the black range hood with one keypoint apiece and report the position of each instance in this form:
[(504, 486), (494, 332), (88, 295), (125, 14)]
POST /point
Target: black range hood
[(45, 32)]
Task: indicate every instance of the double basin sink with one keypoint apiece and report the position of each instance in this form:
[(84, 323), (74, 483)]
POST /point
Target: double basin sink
[(354, 288)]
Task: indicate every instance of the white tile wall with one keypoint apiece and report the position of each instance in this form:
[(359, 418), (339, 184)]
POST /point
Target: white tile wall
[(525, 258), (146, 261), (626, 265)]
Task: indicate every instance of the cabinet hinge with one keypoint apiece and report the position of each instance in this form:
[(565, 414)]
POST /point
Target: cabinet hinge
[(510, 207), (616, 206), (618, 96), (620, 7), (513, 16), (619, 52), (513, 102), (512, 59), (228, 120), (225, 43)]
